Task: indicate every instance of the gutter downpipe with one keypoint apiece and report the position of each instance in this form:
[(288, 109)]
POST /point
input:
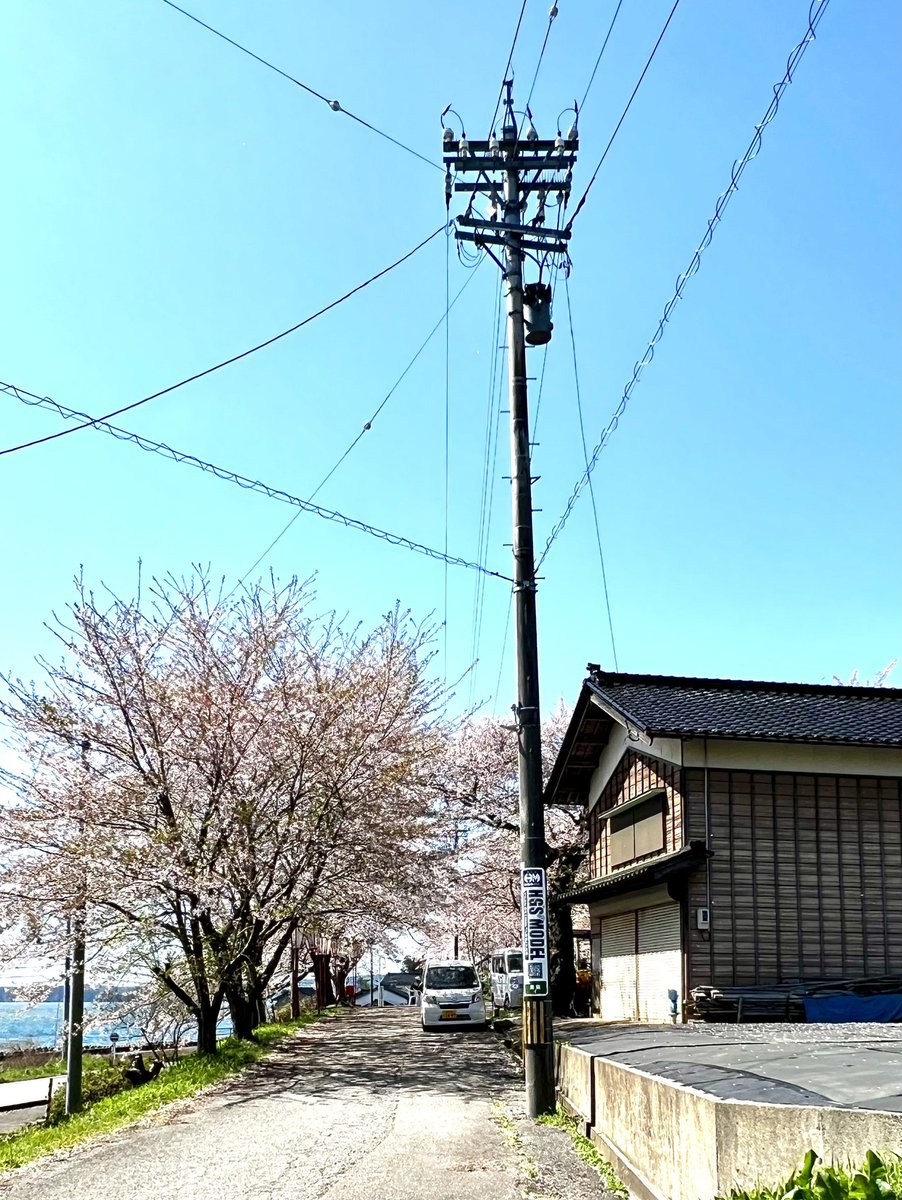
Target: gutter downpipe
[(708, 861)]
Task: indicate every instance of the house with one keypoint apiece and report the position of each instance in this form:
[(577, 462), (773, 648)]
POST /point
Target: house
[(740, 833), (395, 988)]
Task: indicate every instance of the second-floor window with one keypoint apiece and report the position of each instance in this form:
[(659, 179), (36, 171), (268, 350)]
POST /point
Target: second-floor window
[(636, 829)]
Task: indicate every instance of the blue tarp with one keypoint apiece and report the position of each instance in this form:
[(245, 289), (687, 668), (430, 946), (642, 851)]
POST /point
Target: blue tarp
[(837, 1009)]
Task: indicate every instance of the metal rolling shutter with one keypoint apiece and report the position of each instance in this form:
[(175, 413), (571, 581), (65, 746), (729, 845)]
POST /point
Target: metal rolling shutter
[(659, 967), (618, 968)]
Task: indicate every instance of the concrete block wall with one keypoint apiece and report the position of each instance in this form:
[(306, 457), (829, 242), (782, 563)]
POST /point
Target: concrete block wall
[(670, 1142)]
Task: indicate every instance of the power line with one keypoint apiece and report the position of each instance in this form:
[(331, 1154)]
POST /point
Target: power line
[(629, 103), (507, 627), (243, 481), (582, 434), (333, 104), (447, 513), (510, 59), (487, 492), (604, 46), (552, 13), (228, 361), (367, 426), (535, 423), (815, 13)]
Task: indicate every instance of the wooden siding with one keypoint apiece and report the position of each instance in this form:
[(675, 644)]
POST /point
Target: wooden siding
[(634, 776), (806, 877)]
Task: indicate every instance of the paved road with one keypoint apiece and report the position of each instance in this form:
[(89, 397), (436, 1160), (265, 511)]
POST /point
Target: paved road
[(365, 1105), (21, 1102)]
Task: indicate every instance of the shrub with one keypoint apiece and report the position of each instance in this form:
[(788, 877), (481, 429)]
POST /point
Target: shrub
[(875, 1180), (100, 1081)]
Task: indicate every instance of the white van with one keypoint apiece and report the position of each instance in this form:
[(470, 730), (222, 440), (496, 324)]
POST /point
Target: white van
[(506, 977), (451, 995)]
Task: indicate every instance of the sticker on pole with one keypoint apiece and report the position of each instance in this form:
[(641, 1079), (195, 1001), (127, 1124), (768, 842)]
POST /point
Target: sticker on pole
[(535, 931)]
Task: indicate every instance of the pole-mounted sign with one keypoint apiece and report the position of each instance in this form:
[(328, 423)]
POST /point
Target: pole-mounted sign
[(535, 931)]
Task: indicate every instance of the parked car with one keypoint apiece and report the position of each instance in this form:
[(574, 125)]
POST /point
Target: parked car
[(452, 995), (506, 977)]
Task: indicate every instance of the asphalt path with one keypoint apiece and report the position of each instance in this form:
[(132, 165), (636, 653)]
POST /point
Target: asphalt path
[(365, 1104), (21, 1101)]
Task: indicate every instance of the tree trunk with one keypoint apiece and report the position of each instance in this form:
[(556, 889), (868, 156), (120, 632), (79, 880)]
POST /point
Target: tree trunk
[(340, 969), (324, 993), (207, 1020), (562, 875), (244, 1011), (563, 967)]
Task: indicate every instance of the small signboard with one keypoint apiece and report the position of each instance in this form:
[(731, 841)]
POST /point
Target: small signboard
[(535, 932)]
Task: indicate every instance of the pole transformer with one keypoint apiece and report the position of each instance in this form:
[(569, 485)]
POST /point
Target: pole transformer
[(514, 172)]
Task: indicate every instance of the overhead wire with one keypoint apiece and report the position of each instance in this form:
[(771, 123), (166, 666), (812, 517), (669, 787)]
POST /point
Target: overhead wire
[(243, 481), (535, 423), (604, 46), (552, 13), (334, 105), (582, 434), (507, 629), (510, 59), (447, 513), (815, 14), (629, 103), (228, 361), (367, 426), (541, 391), (487, 491)]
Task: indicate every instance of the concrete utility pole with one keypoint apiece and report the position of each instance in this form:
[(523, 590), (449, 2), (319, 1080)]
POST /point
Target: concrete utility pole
[(76, 1007), (76, 1016), (372, 992), (511, 172)]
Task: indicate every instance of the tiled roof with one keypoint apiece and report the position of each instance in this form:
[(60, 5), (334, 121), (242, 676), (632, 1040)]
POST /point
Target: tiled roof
[(669, 706)]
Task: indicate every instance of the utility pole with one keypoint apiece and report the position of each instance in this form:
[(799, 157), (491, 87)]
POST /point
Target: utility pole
[(67, 987), (75, 1033), (511, 172)]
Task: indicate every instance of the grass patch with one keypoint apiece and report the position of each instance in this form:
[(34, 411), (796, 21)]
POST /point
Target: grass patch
[(585, 1148), (52, 1066), (93, 1063), (176, 1082)]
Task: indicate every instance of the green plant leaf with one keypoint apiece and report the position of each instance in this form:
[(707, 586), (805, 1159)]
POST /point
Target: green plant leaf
[(874, 1166), (803, 1176)]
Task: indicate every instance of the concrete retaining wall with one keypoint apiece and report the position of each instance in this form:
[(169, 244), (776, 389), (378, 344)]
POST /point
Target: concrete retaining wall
[(670, 1142)]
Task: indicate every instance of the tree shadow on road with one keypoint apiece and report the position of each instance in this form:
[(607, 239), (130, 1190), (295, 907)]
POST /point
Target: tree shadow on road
[(376, 1053)]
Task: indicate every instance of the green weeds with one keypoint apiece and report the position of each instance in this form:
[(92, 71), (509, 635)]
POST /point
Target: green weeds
[(52, 1066), (512, 1136), (877, 1179), (586, 1149)]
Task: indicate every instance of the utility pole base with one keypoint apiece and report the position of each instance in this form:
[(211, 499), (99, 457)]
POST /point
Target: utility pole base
[(538, 1058)]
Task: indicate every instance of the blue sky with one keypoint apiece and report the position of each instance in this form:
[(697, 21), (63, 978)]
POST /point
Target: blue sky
[(169, 202)]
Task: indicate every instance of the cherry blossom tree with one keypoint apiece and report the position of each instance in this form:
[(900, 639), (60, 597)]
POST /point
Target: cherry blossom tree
[(479, 793), (199, 778)]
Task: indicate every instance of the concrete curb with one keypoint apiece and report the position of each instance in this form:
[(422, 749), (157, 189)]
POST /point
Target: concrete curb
[(672, 1142)]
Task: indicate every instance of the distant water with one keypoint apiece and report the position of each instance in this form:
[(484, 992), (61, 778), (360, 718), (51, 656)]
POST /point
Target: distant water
[(42, 1025)]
